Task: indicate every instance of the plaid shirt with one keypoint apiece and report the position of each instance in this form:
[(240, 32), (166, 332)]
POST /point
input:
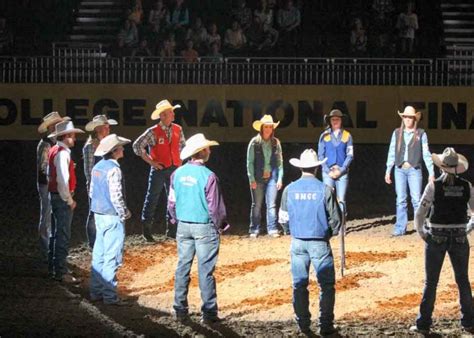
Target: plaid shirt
[(116, 185), (42, 151), (88, 155), (148, 139)]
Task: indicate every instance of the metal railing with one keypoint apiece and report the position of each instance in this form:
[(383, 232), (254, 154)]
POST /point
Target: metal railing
[(238, 71)]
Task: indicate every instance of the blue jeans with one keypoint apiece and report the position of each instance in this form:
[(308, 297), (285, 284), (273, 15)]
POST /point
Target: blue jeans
[(90, 227), (44, 226), (106, 257), (319, 253), (341, 187), (269, 191), (157, 180), (60, 235), (435, 251), (413, 179), (202, 240)]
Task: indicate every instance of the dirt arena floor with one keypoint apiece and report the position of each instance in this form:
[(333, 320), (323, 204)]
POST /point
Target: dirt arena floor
[(378, 295)]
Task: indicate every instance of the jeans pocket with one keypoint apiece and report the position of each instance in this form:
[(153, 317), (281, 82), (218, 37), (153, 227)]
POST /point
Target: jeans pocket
[(438, 239), (461, 239)]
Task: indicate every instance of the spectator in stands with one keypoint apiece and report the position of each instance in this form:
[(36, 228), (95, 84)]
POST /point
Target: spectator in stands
[(6, 38), (198, 34), (158, 15), (407, 24), (235, 39), (213, 36), (142, 49), (214, 55), (289, 20), (266, 17), (178, 19), (168, 50), (129, 34), (189, 54), (154, 37), (243, 15), (136, 14), (358, 39), (257, 37)]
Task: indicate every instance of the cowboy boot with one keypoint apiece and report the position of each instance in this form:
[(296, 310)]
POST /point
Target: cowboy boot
[(147, 232)]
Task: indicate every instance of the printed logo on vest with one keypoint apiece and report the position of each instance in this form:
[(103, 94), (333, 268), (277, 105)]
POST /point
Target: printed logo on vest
[(453, 191), (188, 181), (305, 196)]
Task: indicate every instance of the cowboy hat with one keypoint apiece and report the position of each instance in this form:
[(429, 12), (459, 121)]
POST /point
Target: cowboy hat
[(99, 120), (195, 144), (410, 111), (51, 119), (450, 161), (333, 113), (308, 159), (109, 143), (266, 119), (161, 107), (64, 127)]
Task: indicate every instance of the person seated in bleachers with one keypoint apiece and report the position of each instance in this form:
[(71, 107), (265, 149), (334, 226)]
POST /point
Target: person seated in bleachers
[(198, 34), (136, 14), (142, 49), (154, 35), (214, 55), (407, 24), (178, 19), (158, 14), (235, 40), (243, 15), (358, 39), (168, 51), (258, 38), (266, 16), (6, 38), (289, 21), (129, 34), (189, 54), (213, 36)]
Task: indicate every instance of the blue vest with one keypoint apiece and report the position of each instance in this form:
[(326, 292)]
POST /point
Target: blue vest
[(259, 162), (189, 183), (100, 199), (306, 209), (335, 150)]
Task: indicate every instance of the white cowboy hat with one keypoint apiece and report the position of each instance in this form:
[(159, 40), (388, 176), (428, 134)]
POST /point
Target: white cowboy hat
[(308, 159), (450, 161), (99, 120), (410, 111), (64, 127), (108, 143), (266, 119), (50, 119), (195, 144), (161, 107)]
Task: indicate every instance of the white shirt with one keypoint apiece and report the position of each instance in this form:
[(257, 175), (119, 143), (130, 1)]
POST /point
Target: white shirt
[(61, 162)]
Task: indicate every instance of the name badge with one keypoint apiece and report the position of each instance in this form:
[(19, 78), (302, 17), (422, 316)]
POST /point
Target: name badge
[(161, 140)]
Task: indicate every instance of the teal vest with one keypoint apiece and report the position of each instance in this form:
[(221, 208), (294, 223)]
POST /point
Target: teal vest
[(189, 183)]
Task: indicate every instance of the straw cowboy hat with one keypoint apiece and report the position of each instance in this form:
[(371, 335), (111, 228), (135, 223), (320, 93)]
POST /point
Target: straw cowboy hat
[(308, 159), (161, 107), (410, 111), (333, 113), (450, 161), (99, 120), (65, 127), (51, 119), (109, 143), (266, 119), (195, 144)]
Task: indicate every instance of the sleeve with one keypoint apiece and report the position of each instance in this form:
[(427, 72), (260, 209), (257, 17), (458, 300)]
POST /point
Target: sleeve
[(391, 154), (147, 139), (427, 154), (215, 201), (114, 179), (172, 201), (423, 209), (322, 152), (333, 211), (250, 161), (185, 19), (280, 162), (283, 217), (44, 159), (470, 225), (182, 140), (349, 156), (61, 162), (298, 18)]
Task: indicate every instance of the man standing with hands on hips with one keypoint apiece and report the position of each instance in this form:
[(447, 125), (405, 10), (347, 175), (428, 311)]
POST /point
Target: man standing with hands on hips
[(159, 146)]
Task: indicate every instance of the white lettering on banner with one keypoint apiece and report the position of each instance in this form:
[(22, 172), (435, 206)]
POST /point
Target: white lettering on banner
[(188, 181), (304, 196)]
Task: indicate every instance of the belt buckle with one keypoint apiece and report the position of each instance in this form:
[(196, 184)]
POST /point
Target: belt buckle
[(406, 165)]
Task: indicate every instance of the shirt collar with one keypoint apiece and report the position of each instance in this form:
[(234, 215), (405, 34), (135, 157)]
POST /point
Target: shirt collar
[(307, 175), (196, 162), (163, 126), (115, 161), (61, 144)]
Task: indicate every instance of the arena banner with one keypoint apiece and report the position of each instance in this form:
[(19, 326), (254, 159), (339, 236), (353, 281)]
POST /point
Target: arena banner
[(225, 113)]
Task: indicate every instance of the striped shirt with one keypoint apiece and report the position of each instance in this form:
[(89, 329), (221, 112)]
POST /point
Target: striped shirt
[(88, 155), (148, 139), (42, 151)]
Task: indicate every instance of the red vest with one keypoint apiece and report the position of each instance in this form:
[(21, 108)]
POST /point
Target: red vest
[(165, 152), (53, 184)]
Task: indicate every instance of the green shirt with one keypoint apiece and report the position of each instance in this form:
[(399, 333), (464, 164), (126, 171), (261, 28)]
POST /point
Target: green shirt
[(267, 153)]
